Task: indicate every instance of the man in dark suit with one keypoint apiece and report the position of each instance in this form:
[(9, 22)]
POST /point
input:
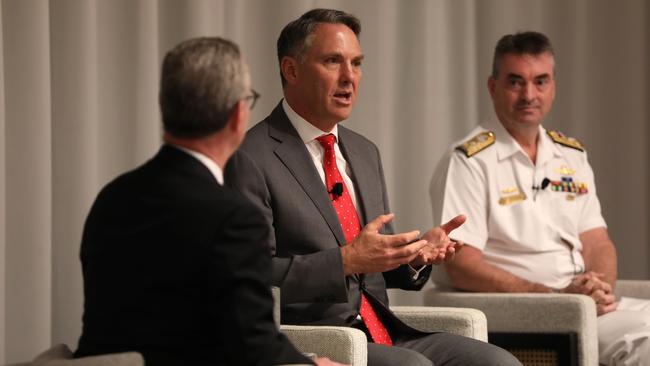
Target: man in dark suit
[(174, 263), (317, 183)]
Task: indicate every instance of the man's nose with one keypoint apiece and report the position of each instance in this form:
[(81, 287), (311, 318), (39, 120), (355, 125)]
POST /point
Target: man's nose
[(348, 73), (528, 92)]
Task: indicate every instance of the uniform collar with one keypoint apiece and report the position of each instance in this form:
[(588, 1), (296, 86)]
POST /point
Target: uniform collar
[(306, 130), (507, 146)]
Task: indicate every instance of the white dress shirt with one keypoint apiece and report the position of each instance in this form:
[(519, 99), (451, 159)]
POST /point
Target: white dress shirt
[(213, 167), (308, 133)]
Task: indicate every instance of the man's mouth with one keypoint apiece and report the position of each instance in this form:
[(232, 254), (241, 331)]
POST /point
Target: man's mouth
[(343, 96), (527, 107)]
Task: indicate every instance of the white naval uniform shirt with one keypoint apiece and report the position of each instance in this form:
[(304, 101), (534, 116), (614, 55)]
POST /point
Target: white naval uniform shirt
[(535, 237)]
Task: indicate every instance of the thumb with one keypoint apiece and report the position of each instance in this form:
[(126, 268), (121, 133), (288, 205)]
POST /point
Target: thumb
[(379, 222), (453, 223)]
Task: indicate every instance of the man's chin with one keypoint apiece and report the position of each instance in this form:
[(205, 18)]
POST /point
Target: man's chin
[(529, 119), (342, 114)]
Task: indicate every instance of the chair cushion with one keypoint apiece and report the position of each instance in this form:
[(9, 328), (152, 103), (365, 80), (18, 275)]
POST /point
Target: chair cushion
[(60, 355)]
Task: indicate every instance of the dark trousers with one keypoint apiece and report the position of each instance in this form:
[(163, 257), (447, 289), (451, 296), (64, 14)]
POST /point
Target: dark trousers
[(439, 349)]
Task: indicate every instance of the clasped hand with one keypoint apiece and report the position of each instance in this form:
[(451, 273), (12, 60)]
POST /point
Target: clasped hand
[(372, 252), (591, 284)]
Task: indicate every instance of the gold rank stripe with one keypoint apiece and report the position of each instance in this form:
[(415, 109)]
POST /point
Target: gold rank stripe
[(508, 200)]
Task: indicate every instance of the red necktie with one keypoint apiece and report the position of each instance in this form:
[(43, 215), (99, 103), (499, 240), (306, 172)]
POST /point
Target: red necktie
[(351, 227)]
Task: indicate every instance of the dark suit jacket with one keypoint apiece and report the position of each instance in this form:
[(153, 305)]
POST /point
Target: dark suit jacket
[(274, 169), (174, 267)]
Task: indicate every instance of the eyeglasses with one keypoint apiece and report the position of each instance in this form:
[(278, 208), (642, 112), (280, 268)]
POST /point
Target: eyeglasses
[(252, 99)]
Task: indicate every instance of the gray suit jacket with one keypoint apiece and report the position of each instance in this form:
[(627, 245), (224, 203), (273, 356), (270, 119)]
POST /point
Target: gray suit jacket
[(274, 169)]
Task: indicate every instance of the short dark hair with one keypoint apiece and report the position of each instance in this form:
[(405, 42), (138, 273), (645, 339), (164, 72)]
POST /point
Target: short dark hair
[(201, 81), (293, 40), (520, 43)]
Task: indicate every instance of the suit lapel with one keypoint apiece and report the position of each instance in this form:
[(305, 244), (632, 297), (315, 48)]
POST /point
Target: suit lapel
[(362, 174), (294, 155)]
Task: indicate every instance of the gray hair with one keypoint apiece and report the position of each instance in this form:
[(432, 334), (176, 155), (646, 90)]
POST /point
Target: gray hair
[(296, 37), (201, 81)]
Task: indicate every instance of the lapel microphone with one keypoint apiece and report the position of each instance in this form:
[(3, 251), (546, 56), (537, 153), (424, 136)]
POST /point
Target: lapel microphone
[(545, 183), (541, 187), (337, 190)]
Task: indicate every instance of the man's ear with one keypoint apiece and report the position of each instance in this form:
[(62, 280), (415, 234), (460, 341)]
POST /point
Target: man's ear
[(491, 82), (238, 121), (288, 67)]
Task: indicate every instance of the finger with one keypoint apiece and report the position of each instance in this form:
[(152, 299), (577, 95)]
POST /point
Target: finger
[(453, 223), (606, 287), (598, 296), (429, 255), (589, 286), (379, 222), (604, 309), (401, 239), (409, 250), (579, 280), (602, 298), (597, 274), (458, 245), (608, 298)]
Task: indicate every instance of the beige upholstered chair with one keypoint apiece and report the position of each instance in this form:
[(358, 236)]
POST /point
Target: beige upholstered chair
[(349, 346), (547, 329), (60, 355)]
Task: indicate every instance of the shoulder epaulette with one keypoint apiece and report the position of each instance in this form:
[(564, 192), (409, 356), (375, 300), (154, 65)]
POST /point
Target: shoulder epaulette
[(477, 143), (561, 139)]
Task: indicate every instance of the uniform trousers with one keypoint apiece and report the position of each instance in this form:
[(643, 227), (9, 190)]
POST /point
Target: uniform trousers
[(624, 334)]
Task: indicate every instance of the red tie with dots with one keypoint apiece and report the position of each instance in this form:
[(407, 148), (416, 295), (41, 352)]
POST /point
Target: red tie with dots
[(351, 227)]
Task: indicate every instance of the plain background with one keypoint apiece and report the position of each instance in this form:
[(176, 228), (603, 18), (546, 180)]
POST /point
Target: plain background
[(78, 106)]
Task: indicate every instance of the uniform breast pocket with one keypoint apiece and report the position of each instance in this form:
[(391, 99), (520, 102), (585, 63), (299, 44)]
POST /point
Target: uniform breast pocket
[(511, 219), (568, 209)]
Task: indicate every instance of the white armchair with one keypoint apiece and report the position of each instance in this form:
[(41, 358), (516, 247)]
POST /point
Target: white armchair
[(60, 355), (349, 345), (562, 327)]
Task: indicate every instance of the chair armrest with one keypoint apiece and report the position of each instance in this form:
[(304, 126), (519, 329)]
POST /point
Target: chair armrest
[(461, 321), (532, 313), (115, 359), (342, 344), (633, 288)]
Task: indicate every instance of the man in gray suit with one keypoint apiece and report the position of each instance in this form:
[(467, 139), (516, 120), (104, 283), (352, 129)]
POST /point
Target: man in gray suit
[(317, 182)]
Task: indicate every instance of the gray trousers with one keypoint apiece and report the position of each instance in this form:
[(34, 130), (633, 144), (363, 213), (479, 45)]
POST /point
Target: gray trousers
[(439, 349)]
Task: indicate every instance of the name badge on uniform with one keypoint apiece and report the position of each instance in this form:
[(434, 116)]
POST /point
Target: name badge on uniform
[(511, 195)]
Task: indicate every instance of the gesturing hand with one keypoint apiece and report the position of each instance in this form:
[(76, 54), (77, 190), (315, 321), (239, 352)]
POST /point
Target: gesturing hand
[(372, 252), (324, 361), (439, 247)]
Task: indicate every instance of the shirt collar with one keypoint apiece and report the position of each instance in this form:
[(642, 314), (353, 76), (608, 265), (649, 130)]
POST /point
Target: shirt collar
[(508, 146), (213, 167), (306, 130), (546, 147)]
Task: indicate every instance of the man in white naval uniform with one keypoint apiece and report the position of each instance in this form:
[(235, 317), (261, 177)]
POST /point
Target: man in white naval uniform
[(533, 218)]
